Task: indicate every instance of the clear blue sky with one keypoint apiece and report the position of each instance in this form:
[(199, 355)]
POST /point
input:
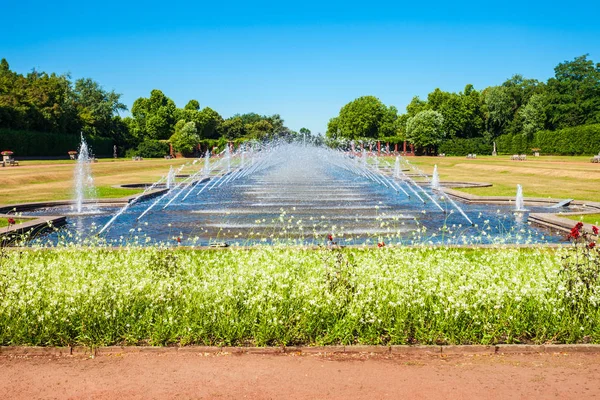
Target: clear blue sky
[(303, 60)]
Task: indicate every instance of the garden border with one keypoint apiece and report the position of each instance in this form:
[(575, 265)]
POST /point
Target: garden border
[(395, 350)]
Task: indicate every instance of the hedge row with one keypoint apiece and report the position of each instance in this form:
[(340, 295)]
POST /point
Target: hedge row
[(462, 147), (33, 144), (578, 140)]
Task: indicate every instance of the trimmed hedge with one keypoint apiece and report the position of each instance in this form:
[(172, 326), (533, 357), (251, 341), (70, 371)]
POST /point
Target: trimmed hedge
[(44, 144), (578, 140), (462, 147), (150, 148)]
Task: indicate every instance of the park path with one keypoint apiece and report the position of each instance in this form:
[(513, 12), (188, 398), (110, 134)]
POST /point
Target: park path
[(293, 376)]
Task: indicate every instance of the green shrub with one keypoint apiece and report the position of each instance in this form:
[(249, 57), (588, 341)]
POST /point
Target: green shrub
[(578, 140), (150, 148), (32, 144), (462, 147)]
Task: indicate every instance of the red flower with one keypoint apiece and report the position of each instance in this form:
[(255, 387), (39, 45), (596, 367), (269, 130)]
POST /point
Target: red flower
[(595, 230), (11, 221), (579, 225), (330, 237), (380, 244), (592, 245), (574, 233), (178, 240)]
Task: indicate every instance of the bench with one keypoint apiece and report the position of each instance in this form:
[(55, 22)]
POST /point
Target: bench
[(596, 159), (518, 157), (9, 161), (471, 155)]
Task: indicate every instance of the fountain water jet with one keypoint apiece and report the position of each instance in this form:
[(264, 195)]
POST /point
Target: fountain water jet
[(170, 178), (435, 179), (84, 182), (519, 202)]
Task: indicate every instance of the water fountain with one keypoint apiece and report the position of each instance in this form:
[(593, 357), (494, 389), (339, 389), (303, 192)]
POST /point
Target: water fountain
[(83, 179), (519, 202), (435, 179), (170, 178), (300, 195)]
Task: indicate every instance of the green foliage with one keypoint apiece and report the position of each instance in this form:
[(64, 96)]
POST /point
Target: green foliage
[(151, 148), (574, 94), (154, 117), (578, 140), (52, 103), (186, 139), (425, 129), (274, 296), (464, 146), (31, 144), (364, 117)]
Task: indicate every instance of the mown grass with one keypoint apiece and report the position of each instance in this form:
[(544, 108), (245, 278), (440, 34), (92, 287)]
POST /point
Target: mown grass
[(287, 296), (547, 176), (593, 219), (54, 180), (4, 221)]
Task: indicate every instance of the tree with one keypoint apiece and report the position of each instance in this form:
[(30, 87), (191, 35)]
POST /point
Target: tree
[(96, 107), (574, 94), (154, 116), (364, 117), (500, 107), (192, 105), (425, 129), (233, 128), (259, 130), (185, 139), (533, 115)]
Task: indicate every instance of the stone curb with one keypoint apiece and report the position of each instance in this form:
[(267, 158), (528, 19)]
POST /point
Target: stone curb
[(35, 351)]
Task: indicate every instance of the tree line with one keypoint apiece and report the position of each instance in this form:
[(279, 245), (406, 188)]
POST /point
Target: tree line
[(55, 104), (518, 107)]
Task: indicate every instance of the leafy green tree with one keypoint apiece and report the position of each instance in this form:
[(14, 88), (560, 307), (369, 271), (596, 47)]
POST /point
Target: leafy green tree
[(154, 116), (259, 130), (233, 128), (500, 108), (425, 130), (574, 94), (533, 115), (185, 139), (364, 117), (96, 107)]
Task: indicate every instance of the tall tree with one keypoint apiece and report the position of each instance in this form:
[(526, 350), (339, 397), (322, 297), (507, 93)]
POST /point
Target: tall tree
[(154, 116), (425, 130)]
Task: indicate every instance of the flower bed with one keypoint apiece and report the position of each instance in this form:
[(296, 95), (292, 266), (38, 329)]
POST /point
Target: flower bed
[(282, 296)]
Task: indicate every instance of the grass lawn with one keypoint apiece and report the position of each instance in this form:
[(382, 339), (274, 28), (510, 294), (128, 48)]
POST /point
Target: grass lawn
[(4, 221), (593, 219), (546, 176), (53, 180)]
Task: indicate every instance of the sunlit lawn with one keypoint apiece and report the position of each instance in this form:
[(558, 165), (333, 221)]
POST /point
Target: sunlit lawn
[(545, 176), (53, 180), (593, 219)]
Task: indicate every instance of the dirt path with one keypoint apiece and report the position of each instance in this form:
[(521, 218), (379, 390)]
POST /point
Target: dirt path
[(253, 376)]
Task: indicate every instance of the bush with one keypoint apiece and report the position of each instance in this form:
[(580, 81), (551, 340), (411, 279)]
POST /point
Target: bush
[(578, 140), (462, 147), (150, 148), (45, 144), (186, 139)]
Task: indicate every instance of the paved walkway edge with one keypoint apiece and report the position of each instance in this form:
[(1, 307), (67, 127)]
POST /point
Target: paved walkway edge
[(34, 351)]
